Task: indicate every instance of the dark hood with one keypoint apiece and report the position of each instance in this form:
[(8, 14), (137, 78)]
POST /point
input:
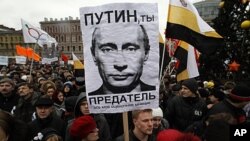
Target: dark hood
[(77, 106)]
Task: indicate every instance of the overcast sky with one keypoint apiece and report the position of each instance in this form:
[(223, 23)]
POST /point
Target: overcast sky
[(34, 11)]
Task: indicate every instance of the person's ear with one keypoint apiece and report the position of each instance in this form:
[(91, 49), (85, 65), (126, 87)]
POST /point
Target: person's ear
[(93, 54)]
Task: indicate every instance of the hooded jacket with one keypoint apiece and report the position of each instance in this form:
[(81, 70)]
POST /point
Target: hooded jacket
[(101, 122)]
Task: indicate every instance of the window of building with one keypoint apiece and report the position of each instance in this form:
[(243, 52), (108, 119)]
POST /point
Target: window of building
[(67, 38), (68, 48), (74, 48), (73, 38), (80, 38), (80, 48), (62, 39)]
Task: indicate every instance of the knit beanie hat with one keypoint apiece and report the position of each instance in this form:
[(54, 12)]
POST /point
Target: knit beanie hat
[(191, 84), (169, 135), (82, 126), (157, 112), (68, 83), (45, 134), (203, 92), (44, 101), (241, 93), (8, 80), (218, 94), (175, 135)]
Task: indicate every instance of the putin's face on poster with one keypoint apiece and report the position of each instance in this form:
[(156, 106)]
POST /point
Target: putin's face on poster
[(120, 62)]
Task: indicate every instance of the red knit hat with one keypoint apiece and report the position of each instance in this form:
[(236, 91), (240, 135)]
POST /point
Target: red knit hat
[(82, 126), (169, 135), (241, 92), (175, 135)]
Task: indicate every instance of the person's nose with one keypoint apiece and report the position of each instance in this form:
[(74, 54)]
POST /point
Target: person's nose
[(120, 62), (150, 123)]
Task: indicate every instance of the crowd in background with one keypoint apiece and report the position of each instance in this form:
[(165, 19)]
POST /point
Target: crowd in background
[(49, 104)]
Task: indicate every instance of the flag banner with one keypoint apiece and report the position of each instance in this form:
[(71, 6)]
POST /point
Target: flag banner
[(4, 60), (32, 34), (164, 56), (21, 60), (77, 63), (71, 62), (171, 45), (31, 54), (121, 56), (184, 23), (21, 50), (64, 57), (187, 65)]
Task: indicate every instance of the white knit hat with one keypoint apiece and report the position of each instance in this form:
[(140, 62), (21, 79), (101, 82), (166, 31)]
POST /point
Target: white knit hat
[(157, 112), (24, 77)]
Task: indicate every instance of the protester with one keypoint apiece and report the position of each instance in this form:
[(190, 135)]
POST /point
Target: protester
[(143, 126), (84, 128), (234, 103), (187, 108), (68, 89), (70, 103), (48, 134), (81, 108), (50, 90), (8, 97), (25, 107), (159, 123), (59, 104), (215, 97), (45, 118), (175, 135), (12, 129)]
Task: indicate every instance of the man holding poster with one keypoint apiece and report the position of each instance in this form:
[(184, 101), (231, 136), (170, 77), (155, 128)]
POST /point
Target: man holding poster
[(121, 56)]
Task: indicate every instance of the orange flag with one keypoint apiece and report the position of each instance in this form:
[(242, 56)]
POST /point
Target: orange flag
[(36, 57), (31, 54), (21, 50)]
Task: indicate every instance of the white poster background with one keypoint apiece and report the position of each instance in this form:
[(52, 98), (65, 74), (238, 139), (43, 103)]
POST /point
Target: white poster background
[(21, 60), (49, 60), (113, 103), (4, 60)]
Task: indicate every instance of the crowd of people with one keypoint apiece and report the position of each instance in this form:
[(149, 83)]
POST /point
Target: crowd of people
[(49, 104)]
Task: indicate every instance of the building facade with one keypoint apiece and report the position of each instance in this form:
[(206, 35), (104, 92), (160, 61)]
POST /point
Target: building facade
[(208, 10), (9, 38), (67, 33)]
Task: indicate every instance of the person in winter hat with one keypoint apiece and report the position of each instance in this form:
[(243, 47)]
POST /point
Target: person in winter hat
[(84, 129), (187, 108), (175, 135), (215, 96), (82, 109), (190, 84), (234, 103), (48, 134), (45, 117), (159, 123)]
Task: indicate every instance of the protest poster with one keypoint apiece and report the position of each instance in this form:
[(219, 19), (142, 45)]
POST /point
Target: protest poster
[(121, 56)]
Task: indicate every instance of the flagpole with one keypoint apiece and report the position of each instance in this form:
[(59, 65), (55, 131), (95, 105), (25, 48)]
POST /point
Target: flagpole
[(162, 59), (32, 60)]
